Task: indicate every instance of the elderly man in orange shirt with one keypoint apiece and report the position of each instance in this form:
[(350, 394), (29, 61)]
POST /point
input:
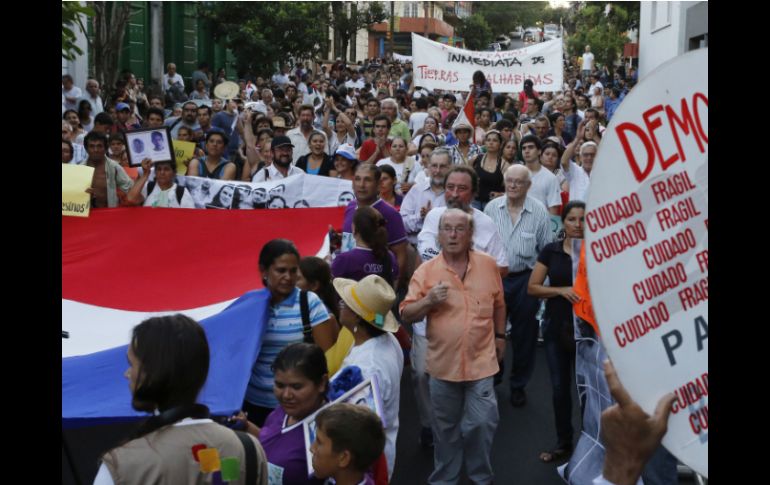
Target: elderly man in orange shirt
[(461, 293)]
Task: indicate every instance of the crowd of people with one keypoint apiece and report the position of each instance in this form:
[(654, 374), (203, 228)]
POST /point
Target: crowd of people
[(449, 235)]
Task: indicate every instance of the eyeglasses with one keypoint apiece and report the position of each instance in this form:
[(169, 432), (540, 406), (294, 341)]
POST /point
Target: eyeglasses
[(458, 229), (516, 183)]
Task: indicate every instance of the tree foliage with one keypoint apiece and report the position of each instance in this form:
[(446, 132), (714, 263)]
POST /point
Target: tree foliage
[(71, 19), (606, 33), (504, 17), (110, 24), (262, 35), (476, 32), (346, 22)]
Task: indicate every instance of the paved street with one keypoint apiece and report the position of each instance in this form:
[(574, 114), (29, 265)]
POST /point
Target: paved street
[(521, 435)]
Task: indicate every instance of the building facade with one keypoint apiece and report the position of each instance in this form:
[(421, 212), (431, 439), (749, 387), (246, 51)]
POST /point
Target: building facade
[(669, 29), (159, 33), (424, 18)]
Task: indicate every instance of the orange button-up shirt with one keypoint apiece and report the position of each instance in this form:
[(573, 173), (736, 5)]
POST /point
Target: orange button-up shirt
[(461, 330)]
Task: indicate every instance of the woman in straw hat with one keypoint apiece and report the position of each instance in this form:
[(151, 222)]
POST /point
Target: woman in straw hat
[(365, 311)]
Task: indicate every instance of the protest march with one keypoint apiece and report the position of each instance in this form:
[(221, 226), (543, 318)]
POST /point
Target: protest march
[(388, 272)]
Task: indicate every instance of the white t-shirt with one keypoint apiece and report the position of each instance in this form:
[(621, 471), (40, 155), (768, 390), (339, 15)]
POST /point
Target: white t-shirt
[(588, 61), (299, 141), (382, 356), (74, 92), (274, 174), (545, 188), (280, 79), (417, 120), (335, 143), (355, 84), (167, 198), (578, 181), (168, 82), (400, 168)]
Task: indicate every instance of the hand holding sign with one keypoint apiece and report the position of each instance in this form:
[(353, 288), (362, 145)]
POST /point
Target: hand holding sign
[(630, 435)]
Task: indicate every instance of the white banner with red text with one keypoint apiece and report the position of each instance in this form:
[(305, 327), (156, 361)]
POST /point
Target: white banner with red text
[(647, 248)]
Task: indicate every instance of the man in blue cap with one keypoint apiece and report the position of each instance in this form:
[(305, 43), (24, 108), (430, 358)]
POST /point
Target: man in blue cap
[(123, 114)]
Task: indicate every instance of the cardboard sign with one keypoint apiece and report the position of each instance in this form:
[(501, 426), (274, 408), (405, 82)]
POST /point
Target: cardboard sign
[(184, 151), (75, 179), (647, 248), (439, 66)]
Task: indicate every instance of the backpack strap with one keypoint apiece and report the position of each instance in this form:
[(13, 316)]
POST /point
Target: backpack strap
[(251, 457), (307, 331), (179, 194)]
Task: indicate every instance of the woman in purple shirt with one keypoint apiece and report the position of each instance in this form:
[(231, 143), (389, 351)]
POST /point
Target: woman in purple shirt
[(301, 382), (371, 254)]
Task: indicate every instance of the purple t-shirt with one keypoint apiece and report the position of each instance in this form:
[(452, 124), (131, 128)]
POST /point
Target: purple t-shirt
[(359, 263), (285, 451), (393, 223)]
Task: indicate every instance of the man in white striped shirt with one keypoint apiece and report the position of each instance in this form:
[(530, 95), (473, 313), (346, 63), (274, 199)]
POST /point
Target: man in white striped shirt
[(524, 226)]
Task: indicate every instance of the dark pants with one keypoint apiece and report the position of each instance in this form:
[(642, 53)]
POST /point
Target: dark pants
[(256, 414), (522, 309), (561, 356)]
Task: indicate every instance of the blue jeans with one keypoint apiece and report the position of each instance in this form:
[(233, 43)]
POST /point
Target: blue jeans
[(560, 359), (522, 309)]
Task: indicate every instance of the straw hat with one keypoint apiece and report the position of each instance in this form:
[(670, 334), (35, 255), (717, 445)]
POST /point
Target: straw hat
[(371, 299), (227, 90)]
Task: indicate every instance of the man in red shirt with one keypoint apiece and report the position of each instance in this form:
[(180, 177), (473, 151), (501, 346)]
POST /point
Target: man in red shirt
[(378, 147)]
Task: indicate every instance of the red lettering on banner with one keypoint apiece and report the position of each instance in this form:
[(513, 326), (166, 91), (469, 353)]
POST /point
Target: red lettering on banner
[(438, 74), (677, 213), (688, 123), (699, 420), (617, 242), (692, 295), (640, 325), (690, 393), (659, 283), (703, 260), (652, 125), (614, 212), (671, 187), (668, 249)]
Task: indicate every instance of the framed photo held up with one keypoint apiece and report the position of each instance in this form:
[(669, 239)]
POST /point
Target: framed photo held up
[(152, 143)]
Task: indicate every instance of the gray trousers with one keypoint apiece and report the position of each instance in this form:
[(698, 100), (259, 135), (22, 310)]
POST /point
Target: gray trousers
[(420, 379), (465, 418)]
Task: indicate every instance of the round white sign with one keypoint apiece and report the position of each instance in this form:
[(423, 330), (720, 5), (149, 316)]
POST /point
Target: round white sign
[(647, 248)]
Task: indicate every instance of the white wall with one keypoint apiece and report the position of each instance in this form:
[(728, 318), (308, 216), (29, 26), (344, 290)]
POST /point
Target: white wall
[(661, 33), (78, 68)]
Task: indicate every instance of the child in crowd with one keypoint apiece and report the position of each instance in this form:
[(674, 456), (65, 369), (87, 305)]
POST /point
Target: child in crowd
[(349, 440)]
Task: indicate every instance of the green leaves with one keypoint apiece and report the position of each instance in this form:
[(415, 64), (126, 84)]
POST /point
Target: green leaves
[(475, 32), (606, 34), (264, 34), (70, 19)]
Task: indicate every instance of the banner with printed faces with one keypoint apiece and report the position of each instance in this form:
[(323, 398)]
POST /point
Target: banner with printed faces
[(297, 191)]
